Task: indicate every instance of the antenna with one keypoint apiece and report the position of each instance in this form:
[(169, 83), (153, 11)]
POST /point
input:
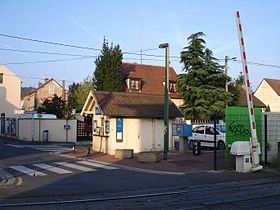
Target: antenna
[(141, 50)]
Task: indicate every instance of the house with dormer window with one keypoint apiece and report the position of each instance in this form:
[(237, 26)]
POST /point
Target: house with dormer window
[(149, 79)]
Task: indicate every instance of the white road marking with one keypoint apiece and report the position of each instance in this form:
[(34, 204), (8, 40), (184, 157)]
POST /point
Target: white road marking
[(70, 165), (27, 171), (52, 168), (47, 148), (97, 165), (17, 146)]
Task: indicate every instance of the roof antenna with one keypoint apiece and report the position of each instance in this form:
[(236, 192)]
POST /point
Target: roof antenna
[(141, 51)]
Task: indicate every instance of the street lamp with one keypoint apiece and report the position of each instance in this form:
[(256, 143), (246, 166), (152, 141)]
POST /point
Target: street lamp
[(166, 108), (226, 69)]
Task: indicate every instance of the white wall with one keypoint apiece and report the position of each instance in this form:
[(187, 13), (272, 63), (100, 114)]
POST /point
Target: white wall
[(268, 96), (139, 134), (10, 91), (57, 133)]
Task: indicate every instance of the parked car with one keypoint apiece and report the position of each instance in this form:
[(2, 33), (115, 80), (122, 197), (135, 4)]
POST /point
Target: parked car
[(205, 134)]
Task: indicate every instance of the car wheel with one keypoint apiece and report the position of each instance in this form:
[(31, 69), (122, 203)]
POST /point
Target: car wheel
[(221, 145), (191, 144)]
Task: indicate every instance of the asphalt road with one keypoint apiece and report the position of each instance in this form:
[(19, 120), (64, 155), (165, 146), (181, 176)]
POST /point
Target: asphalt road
[(89, 187)]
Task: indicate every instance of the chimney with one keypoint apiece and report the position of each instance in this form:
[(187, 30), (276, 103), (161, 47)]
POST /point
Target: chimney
[(39, 84), (46, 79), (63, 90)]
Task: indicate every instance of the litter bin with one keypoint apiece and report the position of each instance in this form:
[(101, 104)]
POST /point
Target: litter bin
[(197, 147), (45, 135)]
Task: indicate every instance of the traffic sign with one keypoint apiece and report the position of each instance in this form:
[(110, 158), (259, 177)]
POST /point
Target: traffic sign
[(66, 115)]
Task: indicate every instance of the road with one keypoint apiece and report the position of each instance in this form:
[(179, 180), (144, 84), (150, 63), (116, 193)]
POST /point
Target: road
[(46, 181)]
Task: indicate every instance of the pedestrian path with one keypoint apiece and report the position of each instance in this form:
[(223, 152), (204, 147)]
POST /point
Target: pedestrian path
[(44, 148), (61, 168)]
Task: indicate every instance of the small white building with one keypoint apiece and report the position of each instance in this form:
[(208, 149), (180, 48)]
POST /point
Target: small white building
[(128, 121)]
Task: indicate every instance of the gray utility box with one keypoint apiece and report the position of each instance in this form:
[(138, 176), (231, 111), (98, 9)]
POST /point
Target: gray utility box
[(242, 151)]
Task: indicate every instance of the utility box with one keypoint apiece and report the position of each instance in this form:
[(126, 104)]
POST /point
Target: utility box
[(242, 151)]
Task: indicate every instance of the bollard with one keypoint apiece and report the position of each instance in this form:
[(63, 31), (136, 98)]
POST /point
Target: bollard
[(88, 154), (74, 148)]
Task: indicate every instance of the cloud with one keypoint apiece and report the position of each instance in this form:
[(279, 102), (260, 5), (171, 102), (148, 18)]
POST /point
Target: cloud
[(227, 46), (86, 29)]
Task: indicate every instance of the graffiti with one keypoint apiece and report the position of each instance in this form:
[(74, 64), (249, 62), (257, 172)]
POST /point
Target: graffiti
[(238, 130)]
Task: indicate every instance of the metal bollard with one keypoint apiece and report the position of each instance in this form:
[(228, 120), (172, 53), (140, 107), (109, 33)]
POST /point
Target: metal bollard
[(88, 154), (74, 148)]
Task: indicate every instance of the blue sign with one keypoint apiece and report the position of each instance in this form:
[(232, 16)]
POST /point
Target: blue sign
[(97, 111), (119, 124), (66, 126)]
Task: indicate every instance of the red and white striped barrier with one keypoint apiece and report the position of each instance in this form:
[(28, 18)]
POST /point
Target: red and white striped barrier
[(254, 140)]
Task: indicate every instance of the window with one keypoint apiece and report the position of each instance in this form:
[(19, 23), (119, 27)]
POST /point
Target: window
[(172, 87), (51, 89), (135, 84), (1, 78), (199, 129)]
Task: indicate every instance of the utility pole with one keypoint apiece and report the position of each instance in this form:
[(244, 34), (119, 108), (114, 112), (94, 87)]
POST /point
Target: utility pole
[(226, 72), (166, 105)]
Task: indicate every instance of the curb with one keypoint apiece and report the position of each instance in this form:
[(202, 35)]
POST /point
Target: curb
[(6, 178)]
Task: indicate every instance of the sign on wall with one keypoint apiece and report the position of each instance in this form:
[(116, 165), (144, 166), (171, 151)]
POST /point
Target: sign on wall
[(97, 111), (119, 128)]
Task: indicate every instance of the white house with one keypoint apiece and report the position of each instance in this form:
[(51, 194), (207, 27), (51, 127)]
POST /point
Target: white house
[(269, 93), (10, 91), (128, 121)]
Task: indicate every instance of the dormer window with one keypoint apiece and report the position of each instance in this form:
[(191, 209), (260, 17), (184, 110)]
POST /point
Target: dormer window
[(172, 87), (134, 84)]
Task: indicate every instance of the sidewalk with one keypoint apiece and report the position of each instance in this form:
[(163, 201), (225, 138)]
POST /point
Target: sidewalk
[(177, 163)]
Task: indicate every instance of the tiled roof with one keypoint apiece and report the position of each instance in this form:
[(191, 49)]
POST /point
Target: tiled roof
[(26, 90), (274, 84), (120, 104), (243, 100), (152, 77)]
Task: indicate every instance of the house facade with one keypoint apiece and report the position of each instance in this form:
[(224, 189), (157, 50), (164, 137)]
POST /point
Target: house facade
[(149, 79), (49, 88), (10, 91), (128, 121), (269, 93)]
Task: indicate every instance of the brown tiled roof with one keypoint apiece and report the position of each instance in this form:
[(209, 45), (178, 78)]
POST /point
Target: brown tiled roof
[(274, 84), (243, 100), (152, 77), (120, 104)]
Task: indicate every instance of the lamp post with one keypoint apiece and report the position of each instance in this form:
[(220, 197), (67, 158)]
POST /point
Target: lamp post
[(226, 69), (166, 107)]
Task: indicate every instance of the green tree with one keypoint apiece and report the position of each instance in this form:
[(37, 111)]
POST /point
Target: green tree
[(203, 84), (72, 98), (234, 88), (82, 91), (108, 73), (53, 105)]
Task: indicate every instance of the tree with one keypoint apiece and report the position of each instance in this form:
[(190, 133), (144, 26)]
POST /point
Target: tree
[(81, 93), (108, 73), (203, 85), (234, 88), (53, 105), (72, 98)]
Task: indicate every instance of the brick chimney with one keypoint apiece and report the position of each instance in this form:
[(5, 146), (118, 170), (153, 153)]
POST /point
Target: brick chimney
[(63, 90), (46, 79), (39, 84)]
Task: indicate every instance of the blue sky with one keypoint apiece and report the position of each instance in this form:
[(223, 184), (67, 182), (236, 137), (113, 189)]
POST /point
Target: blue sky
[(133, 24)]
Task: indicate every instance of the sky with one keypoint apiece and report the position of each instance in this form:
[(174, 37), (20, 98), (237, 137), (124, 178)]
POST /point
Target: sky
[(134, 25)]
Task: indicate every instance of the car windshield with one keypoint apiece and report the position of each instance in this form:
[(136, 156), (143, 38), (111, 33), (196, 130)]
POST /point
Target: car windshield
[(221, 128)]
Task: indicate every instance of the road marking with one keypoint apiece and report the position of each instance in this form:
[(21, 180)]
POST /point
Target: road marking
[(19, 181), (52, 168), (47, 148), (97, 165), (7, 178), (17, 146), (27, 171), (70, 165)]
